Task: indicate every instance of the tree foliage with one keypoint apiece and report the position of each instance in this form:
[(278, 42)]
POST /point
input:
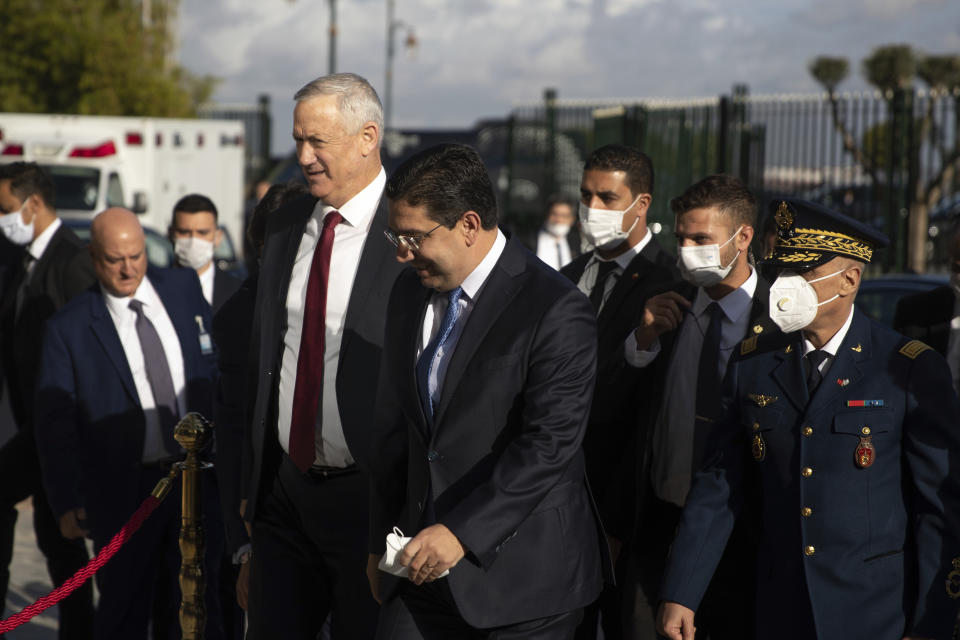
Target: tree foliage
[(93, 57), (829, 72), (891, 67)]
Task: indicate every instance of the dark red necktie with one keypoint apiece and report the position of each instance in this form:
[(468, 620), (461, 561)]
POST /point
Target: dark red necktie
[(309, 386)]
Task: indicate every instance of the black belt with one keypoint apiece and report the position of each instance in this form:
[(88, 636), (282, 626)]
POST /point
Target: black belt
[(320, 472)]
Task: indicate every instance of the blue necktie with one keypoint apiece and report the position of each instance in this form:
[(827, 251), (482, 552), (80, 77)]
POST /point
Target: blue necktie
[(427, 362)]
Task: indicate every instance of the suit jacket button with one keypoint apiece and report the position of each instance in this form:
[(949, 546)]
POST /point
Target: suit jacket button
[(433, 456), (808, 431), (806, 472), (806, 512), (809, 550)]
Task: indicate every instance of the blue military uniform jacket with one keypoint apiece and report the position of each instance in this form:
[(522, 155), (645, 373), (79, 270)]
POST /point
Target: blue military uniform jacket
[(860, 489)]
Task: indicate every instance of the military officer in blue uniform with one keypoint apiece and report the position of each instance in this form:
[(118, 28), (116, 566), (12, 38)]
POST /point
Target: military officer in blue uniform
[(853, 433)]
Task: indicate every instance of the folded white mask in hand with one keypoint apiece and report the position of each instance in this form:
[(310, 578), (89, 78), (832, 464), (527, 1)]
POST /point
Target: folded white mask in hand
[(390, 561)]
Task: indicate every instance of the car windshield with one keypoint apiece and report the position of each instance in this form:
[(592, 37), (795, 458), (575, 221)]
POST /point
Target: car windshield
[(77, 187)]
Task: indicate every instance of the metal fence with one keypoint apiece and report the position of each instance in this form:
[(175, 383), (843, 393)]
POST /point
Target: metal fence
[(884, 159)]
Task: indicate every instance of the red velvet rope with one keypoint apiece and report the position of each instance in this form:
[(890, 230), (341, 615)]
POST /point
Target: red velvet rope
[(74, 582)]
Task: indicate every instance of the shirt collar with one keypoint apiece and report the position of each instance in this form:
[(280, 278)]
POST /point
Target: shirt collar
[(833, 344), (735, 304), (472, 283), (145, 293), (358, 211), (42, 241), (624, 259)]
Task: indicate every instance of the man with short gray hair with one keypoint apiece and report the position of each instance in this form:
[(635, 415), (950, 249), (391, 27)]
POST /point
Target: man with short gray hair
[(318, 329)]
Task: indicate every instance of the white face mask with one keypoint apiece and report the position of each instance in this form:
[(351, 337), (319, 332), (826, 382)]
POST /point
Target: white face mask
[(193, 252), (15, 229), (558, 229), (700, 265), (794, 302), (603, 228)]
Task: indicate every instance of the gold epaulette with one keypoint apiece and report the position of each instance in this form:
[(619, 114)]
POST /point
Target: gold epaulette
[(913, 348), (749, 345)]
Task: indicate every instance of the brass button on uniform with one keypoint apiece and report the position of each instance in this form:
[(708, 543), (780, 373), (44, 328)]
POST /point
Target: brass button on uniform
[(809, 550), (806, 472), (756, 426), (806, 512), (865, 431), (807, 431)]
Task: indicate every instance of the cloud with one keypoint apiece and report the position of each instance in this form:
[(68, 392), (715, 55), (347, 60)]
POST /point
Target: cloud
[(476, 59)]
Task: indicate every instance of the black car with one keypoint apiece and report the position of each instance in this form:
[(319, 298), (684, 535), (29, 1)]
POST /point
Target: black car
[(878, 296)]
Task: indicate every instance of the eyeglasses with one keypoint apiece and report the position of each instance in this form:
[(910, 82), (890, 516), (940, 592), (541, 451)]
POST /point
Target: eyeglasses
[(409, 242)]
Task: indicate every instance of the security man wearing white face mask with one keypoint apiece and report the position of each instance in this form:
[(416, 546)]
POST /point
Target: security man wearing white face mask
[(195, 236), (850, 431), (684, 339), (54, 267), (626, 263)]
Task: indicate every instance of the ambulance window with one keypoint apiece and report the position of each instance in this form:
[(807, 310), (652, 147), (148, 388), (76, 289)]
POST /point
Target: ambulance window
[(114, 191), (76, 187)]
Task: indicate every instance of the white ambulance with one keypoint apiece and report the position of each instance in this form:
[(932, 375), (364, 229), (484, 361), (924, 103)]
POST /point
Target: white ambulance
[(144, 164)]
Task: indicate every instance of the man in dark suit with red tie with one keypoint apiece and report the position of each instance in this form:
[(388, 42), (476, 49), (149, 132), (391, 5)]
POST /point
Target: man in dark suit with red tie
[(488, 371), (324, 281)]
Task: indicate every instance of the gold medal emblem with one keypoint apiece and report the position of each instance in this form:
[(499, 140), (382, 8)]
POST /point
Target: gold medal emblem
[(761, 400), (865, 453), (784, 220), (953, 580), (758, 448)]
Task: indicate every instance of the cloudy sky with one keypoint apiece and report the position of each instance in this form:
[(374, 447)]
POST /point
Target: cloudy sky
[(477, 58)]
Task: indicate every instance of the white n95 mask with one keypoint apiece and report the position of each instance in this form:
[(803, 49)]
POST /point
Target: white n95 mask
[(603, 228), (700, 265), (794, 302), (193, 252), (15, 229), (558, 229)]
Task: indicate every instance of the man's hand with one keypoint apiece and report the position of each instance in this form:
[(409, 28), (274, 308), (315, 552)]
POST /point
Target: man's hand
[(661, 313), (70, 527), (430, 553), (243, 585), (615, 547), (675, 621), (243, 516), (373, 576)]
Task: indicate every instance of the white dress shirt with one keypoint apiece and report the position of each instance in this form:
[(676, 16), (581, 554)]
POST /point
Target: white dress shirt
[(348, 242), (433, 315), (125, 321), (833, 344), (206, 283), (588, 279), (553, 250), (673, 438)]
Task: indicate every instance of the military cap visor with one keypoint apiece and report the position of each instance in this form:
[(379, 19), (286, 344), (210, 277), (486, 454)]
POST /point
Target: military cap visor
[(809, 235)]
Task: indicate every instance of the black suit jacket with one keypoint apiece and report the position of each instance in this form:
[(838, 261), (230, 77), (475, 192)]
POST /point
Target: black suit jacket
[(611, 436), (232, 326), (759, 324), (224, 286), (502, 462), (360, 348), (63, 271), (926, 316)]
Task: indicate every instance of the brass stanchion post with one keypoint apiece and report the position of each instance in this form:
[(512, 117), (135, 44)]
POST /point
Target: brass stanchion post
[(193, 433)]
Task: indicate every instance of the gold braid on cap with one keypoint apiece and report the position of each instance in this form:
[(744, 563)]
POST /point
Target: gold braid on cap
[(808, 245)]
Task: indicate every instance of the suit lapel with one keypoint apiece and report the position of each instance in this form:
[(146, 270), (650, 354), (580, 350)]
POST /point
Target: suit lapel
[(501, 286), (789, 372), (410, 331), (106, 332), (633, 276), (375, 253)]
